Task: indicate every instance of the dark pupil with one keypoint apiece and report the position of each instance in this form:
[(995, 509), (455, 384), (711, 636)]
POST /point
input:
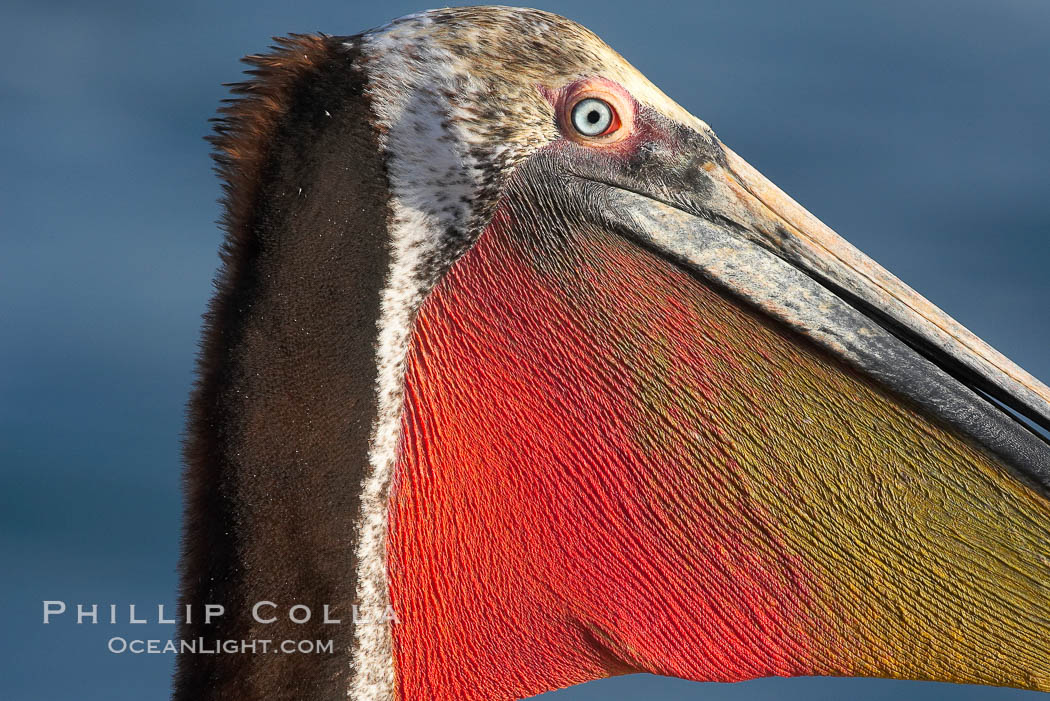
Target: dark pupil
[(593, 116)]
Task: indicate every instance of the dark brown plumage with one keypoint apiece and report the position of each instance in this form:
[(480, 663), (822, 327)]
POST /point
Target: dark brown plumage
[(280, 418)]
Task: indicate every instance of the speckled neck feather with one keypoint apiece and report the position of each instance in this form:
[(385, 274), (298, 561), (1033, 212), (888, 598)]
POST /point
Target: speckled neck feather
[(454, 127)]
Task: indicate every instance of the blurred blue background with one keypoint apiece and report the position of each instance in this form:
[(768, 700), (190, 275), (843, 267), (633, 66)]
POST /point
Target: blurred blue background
[(917, 129)]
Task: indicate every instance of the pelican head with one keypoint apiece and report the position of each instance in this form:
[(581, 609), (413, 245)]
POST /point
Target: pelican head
[(515, 359)]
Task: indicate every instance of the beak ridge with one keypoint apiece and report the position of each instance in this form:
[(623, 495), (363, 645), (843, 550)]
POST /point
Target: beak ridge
[(757, 244), (818, 250)]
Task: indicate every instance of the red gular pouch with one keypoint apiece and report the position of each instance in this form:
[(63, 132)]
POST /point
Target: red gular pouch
[(567, 504)]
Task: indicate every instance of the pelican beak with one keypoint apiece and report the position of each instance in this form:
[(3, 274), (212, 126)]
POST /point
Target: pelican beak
[(736, 229)]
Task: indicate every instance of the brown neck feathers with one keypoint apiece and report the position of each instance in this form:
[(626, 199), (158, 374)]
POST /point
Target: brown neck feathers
[(281, 415)]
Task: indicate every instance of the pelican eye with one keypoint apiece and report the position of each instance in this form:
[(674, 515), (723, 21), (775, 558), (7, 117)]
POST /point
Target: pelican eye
[(593, 117)]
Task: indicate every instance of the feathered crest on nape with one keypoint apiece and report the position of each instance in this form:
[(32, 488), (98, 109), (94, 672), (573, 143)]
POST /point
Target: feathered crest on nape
[(245, 126)]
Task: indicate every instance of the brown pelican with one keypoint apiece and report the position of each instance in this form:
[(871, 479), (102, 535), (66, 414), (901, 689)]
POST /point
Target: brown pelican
[(511, 353)]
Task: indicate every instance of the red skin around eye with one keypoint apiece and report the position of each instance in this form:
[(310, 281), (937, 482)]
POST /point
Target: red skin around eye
[(623, 107)]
